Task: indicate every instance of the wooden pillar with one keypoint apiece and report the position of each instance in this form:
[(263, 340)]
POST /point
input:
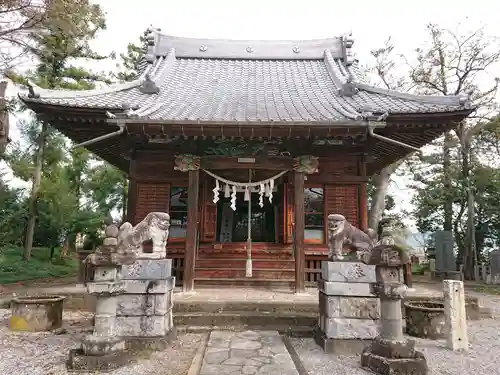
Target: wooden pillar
[(192, 228), (132, 193), (298, 194), (363, 196)]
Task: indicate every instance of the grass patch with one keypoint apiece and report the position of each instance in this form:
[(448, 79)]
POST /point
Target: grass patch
[(14, 269), (419, 269), (489, 289)]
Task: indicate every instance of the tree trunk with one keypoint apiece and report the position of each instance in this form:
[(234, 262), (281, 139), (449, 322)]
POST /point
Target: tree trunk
[(470, 243), (124, 199), (65, 248), (447, 184), (381, 184), (35, 191)]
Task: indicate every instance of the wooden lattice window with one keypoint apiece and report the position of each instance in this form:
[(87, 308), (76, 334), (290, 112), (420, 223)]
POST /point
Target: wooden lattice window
[(314, 207), (178, 212)]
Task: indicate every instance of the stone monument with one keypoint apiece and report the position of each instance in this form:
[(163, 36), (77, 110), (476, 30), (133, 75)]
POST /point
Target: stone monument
[(104, 349), (494, 258), (391, 353), (144, 311), (446, 267), (348, 309)]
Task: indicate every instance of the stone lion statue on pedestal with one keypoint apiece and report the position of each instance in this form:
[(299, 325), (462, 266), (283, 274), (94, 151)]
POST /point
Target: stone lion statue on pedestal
[(341, 233), (155, 226)]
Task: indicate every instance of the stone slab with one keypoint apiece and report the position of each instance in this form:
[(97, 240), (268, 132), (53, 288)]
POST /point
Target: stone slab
[(158, 343), (335, 288), (345, 328), (249, 352), (349, 307), (150, 286), (143, 326), (144, 304), (77, 361), (349, 347), (148, 269), (416, 365), (348, 272)]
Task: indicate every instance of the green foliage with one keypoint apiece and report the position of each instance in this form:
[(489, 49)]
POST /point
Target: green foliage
[(132, 60), (13, 268)]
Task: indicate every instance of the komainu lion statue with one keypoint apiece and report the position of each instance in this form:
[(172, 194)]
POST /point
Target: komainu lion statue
[(155, 226), (342, 234)]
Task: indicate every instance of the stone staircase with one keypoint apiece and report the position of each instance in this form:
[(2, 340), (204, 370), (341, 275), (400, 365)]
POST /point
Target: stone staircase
[(295, 319)]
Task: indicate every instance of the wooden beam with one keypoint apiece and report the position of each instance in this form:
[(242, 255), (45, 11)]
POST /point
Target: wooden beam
[(192, 228), (299, 227), (278, 163)]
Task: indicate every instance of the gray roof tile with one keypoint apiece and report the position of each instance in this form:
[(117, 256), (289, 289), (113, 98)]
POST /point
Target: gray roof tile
[(232, 85)]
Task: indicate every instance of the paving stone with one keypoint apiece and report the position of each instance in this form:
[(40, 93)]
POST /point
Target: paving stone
[(248, 353)]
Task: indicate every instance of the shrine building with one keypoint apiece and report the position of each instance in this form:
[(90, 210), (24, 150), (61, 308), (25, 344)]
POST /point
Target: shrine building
[(248, 145)]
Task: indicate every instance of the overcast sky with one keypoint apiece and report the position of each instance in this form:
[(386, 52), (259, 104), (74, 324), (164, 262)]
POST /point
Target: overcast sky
[(370, 22)]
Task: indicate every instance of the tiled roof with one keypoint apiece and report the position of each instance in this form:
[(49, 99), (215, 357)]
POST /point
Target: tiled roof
[(245, 81)]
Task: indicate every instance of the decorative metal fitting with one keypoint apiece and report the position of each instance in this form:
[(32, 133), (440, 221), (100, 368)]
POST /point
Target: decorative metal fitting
[(296, 49), (250, 49), (203, 48)]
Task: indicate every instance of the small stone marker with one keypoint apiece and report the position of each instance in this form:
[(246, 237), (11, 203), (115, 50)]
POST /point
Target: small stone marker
[(454, 310)]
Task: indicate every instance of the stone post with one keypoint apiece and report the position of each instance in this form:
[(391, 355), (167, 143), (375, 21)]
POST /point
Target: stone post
[(103, 350), (390, 352), (455, 316)]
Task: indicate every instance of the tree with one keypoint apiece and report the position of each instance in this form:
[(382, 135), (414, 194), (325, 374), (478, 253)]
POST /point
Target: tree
[(65, 39), (384, 71), (451, 64)]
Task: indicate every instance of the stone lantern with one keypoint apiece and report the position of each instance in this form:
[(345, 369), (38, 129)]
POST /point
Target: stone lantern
[(391, 352), (104, 350)]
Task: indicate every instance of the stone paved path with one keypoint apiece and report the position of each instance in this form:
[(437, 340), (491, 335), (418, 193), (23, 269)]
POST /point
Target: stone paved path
[(250, 352)]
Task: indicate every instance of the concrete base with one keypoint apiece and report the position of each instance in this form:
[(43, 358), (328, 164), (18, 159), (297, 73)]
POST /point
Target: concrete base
[(151, 343), (340, 346), (394, 358), (77, 361)]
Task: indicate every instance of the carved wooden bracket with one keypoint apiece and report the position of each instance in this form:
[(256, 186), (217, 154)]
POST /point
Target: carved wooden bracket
[(187, 162), (307, 164)]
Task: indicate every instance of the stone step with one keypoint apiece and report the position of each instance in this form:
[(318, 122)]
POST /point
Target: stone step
[(296, 331), (258, 263), (210, 307), (247, 319), (210, 282), (239, 273)]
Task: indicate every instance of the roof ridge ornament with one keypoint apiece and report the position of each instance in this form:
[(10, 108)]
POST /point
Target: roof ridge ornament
[(151, 38), (348, 88), (465, 99), (149, 86)]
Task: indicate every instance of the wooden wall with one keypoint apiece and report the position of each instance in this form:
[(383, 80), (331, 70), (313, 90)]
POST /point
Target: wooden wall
[(153, 174)]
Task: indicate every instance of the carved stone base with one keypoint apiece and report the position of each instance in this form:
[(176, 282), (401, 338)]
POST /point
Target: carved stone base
[(98, 346), (387, 357), (152, 343), (77, 361), (340, 346)]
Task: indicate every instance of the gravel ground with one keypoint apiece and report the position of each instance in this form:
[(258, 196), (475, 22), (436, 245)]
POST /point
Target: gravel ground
[(483, 357), (46, 353)]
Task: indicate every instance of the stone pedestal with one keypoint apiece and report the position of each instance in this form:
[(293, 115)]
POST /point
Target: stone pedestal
[(104, 349), (390, 353), (144, 312), (455, 316), (348, 310)]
